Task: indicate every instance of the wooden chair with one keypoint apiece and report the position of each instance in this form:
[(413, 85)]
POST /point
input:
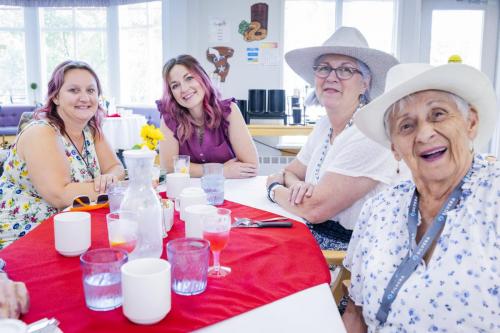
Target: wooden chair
[(342, 282)]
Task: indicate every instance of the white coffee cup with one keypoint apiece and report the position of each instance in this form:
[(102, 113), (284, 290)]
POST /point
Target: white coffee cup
[(72, 233), (13, 326), (146, 290), (176, 182), (194, 219), (188, 197)]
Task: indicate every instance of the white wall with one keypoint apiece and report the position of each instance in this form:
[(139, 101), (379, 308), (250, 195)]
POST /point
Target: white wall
[(188, 32)]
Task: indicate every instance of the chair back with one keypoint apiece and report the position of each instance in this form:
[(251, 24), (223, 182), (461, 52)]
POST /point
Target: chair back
[(25, 118)]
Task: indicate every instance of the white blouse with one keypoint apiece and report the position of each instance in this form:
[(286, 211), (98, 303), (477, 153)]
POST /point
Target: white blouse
[(351, 154), (459, 289)]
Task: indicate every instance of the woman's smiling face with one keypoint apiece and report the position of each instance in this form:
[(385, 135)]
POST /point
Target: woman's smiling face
[(432, 135)]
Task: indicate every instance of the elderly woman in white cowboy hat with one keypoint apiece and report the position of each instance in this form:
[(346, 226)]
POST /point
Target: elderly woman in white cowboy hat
[(339, 167), (425, 254)]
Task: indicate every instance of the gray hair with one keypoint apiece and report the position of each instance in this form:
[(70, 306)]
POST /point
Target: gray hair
[(312, 99), (402, 103)]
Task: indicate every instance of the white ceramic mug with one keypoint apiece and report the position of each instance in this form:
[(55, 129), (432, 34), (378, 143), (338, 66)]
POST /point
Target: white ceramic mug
[(13, 326), (72, 233), (188, 197), (146, 290), (176, 182), (194, 219)]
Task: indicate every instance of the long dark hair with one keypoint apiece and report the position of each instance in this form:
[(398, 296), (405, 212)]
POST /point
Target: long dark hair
[(211, 101), (49, 110)]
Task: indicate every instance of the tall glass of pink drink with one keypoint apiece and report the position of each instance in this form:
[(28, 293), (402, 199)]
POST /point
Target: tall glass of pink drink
[(216, 229)]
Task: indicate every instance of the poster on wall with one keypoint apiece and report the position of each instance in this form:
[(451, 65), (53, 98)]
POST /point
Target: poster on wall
[(269, 55), (218, 30), (253, 55), (256, 29), (218, 56)]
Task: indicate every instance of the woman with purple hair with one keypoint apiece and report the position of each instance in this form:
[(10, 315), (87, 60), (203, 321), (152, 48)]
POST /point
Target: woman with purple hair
[(60, 155), (198, 123)]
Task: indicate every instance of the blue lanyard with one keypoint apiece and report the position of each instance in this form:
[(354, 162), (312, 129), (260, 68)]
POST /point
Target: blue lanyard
[(326, 144), (415, 254)]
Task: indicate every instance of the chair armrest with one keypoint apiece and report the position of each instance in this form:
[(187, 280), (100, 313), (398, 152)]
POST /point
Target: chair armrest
[(334, 257)]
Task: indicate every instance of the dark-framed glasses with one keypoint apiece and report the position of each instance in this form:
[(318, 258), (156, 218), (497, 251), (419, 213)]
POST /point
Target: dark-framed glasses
[(342, 72), (83, 203)]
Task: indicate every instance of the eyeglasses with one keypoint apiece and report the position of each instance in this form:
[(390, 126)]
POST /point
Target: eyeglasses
[(343, 73), (83, 203)]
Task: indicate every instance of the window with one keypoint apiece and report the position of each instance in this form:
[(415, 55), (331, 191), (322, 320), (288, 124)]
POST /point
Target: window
[(302, 31), (76, 34), (140, 53), (12, 57), (375, 20), (451, 36)]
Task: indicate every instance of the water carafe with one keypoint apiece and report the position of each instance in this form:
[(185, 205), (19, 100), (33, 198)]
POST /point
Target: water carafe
[(140, 197)]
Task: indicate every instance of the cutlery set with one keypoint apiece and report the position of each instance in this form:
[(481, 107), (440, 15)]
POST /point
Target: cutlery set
[(267, 223)]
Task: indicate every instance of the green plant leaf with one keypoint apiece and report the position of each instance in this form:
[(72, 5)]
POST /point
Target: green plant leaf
[(243, 27)]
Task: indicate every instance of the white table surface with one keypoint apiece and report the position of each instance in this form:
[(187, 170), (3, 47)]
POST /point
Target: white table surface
[(123, 132), (310, 310)]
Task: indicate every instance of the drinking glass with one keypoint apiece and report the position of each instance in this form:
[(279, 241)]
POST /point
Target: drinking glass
[(181, 163), (212, 182), (116, 191), (216, 229), (123, 230), (102, 279)]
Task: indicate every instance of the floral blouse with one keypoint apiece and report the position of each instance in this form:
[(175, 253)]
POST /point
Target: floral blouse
[(21, 207), (459, 289)]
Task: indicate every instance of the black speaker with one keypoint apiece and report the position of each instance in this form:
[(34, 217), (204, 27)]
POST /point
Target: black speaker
[(276, 101), (242, 105), (297, 115), (256, 101)]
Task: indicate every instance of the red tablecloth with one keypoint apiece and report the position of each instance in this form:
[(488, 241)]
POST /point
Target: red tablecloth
[(267, 264)]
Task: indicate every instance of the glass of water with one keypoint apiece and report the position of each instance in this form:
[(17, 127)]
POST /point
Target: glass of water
[(212, 182), (116, 192), (188, 258), (102, 278)]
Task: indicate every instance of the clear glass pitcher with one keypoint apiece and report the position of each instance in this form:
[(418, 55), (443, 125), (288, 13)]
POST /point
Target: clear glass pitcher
[(141, 198)]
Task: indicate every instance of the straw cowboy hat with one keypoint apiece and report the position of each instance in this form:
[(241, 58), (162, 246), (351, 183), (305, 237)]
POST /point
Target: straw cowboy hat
[(405, 79), (346, 41)]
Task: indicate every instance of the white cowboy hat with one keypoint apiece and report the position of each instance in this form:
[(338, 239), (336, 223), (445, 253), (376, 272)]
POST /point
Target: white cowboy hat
[(345, 41), (405, 79)]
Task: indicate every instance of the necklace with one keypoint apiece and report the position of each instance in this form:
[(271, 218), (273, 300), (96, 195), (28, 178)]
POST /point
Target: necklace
[(84, 149), (327, 144), (200, 130)]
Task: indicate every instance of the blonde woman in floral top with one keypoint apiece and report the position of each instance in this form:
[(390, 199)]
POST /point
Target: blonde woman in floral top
[(59, 156)]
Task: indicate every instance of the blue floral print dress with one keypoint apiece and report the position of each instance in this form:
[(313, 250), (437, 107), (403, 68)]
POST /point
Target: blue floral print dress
[(459, 289), (21, 206)]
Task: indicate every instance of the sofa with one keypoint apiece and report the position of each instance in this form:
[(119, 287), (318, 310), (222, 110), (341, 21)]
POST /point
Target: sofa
[(10, 116)]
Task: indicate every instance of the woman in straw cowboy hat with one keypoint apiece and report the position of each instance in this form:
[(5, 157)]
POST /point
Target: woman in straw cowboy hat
[(339, 167), (425, 254)]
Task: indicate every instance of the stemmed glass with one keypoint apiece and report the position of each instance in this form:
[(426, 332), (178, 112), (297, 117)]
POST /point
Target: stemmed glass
[(123, 230), (216, 228)]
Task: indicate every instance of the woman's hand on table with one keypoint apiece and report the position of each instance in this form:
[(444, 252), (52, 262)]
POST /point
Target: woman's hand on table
[(299, 190), (235, 169), (14, 298), (102, 182)]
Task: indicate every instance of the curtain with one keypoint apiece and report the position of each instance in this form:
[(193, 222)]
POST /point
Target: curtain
[(68, 3)]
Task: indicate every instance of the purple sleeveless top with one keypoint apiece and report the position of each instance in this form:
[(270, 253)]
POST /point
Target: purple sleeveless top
[(215, 147)]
